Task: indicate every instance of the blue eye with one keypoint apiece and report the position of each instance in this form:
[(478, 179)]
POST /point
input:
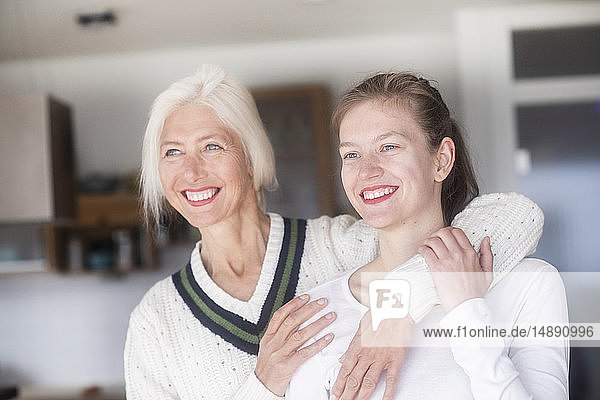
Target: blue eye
[(350, 155), (172, 152), (213, 146), (388, 147)]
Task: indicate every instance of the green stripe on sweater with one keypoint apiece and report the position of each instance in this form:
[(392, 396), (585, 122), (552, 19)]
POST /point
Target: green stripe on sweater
[(232, 328)]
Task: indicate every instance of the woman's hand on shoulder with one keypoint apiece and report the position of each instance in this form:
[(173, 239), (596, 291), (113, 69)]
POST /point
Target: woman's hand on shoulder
[(459, 273), (280, 351)]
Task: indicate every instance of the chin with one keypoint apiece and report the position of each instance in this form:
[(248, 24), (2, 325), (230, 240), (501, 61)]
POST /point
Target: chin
[(379, 224), (380, 221), (200, 221)]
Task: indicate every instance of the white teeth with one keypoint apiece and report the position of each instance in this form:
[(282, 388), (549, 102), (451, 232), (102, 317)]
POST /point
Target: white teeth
[(199, 196), (375, 194)]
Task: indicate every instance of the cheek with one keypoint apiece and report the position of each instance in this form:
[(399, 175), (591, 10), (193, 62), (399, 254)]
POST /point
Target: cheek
[(168, 174), (423, 173), (164, 175), (238, 169), (349, 182), (347, 179)]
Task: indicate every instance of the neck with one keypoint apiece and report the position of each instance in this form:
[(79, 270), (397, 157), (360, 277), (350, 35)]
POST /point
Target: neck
[(236, 246), (399, 243)]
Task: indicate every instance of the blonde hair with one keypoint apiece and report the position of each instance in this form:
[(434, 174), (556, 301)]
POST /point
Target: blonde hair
[(233, 104)]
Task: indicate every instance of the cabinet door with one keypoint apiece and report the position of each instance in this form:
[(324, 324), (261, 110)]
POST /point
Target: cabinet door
[(36, 162)]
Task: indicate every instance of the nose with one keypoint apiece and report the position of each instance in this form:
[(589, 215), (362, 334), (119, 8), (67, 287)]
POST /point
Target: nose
[(370, 167), (194, 167)]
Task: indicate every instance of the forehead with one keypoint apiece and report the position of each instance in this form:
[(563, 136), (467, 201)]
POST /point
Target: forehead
[(194, 120), (370, 119)]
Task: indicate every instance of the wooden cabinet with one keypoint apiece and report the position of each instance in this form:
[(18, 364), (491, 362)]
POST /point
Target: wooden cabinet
[(36, 159), (107, 236)]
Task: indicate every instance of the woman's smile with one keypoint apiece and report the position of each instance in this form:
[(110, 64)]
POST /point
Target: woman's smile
[(377, 194), (202, 196)]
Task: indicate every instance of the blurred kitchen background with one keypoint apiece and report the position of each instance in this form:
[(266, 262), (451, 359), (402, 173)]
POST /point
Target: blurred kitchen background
[(76, 83)]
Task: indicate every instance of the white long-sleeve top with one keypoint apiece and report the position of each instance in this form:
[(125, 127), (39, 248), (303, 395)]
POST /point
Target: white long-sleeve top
[(171, 354), (458, 368)]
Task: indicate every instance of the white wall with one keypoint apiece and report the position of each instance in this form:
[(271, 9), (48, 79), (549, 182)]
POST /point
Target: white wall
[(111, 94), (61, 330)]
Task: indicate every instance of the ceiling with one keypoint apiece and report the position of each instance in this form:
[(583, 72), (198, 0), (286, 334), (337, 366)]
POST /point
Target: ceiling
[(47, 28)]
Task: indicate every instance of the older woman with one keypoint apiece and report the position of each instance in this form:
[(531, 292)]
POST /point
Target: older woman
[(226, 325), (398, 138)]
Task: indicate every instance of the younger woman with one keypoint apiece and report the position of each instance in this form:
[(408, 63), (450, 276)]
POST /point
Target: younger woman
[(406, 171)]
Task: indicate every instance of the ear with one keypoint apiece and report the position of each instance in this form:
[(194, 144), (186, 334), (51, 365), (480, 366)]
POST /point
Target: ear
[(444, 159)]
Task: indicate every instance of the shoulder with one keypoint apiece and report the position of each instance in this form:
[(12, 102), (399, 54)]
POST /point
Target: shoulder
[(536, 269), (534, 277), (535, 265), (156, 303)]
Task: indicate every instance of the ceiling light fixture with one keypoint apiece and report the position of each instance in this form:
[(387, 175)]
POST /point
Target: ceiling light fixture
[(100, 18)]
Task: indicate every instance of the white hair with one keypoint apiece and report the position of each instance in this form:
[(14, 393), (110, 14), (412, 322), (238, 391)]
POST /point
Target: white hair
[(233, 105)]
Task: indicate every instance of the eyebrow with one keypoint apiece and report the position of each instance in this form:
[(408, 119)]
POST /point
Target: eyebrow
[(169, 143), (379, 138)]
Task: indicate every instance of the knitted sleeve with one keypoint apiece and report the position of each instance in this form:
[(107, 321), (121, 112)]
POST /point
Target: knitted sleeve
[(334, 245), (512, 221), (146, 374)]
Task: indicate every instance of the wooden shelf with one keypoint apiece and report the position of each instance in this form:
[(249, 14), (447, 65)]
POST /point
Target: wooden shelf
[(112, 210), (107, 236)]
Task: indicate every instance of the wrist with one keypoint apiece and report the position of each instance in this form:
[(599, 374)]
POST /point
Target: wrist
[(254, 388), (277, 389)]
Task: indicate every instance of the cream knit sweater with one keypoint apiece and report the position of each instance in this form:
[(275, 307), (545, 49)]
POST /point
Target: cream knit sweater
[(169, 354)]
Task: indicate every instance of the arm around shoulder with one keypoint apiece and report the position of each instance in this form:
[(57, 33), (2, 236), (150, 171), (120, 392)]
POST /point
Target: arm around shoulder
[(512, 221)]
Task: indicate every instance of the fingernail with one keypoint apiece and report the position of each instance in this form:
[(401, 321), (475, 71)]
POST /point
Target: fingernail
[(328, 337), (330, 315), (303, 297), (322, 301)]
